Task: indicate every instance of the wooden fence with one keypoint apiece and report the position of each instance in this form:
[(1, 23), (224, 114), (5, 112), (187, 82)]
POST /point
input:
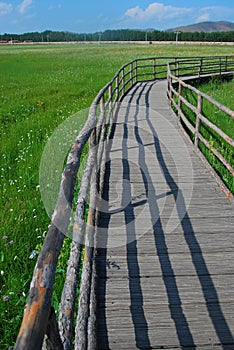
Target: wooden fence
[(178, 73), (39, 326)]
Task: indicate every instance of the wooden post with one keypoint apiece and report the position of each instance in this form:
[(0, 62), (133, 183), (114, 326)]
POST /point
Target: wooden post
[(102, 105), (200, 68), (226, 63), (110, 95), (154, 68), (170, 90), (81, 338), (179, 99), (117, 87), (198, 121), (123, 82), (136, 71), (220, 67), (168, 80), (176, 68), (131, 75), (37, 310), (92, 322), (67, 304), (180, 93)]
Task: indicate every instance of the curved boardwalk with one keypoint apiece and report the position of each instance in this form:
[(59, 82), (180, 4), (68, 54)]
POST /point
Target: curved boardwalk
[(166, 236)]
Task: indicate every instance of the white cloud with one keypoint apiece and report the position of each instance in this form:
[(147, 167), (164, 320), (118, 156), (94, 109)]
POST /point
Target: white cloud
[(217, 12), (22, 8), (5, 8), (156, 10), (203, 17), (134, 12), (158, 14)]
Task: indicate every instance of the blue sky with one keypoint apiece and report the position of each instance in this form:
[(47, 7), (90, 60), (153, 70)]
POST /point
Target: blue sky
[(97, 15)]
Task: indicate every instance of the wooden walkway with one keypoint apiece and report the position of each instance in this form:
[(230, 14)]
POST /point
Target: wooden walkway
[(165, 276)]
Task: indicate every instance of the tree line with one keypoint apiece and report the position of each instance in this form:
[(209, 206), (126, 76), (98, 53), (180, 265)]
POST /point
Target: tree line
[(119, 35)]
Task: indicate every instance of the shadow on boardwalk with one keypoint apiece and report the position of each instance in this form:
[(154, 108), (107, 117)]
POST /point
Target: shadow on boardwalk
[(141, 325)]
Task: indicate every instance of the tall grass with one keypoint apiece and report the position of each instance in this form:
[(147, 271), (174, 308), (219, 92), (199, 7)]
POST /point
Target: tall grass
[(223, 92), (40, 87)]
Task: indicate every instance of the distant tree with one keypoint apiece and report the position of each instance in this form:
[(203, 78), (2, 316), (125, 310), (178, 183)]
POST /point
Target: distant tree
[(119, 35)]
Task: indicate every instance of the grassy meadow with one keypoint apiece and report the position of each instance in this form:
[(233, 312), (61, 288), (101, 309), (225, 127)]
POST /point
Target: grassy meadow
[(40, 87), (222, 91)]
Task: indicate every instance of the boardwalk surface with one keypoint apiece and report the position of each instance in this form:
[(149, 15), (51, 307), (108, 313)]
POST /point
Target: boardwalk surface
[(166, 237)]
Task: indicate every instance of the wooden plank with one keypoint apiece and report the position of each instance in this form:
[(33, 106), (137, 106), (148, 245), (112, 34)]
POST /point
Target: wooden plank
[(153, 264), (189, 290), (170, 286), (161, 331)]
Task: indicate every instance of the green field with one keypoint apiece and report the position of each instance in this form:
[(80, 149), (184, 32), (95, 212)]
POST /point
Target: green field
[(223, 92), (40, 87)]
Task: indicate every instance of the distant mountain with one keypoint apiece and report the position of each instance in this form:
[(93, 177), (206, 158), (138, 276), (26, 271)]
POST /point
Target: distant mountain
[(207, 27)]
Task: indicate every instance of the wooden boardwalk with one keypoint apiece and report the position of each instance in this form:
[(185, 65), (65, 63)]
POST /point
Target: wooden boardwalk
[(166, 235)]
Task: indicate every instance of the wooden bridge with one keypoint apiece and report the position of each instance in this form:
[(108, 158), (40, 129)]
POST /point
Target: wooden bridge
[(157, 248)]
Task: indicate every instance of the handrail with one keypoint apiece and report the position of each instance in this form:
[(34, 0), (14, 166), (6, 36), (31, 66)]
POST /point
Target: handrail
[(39, 316), (218, 66)]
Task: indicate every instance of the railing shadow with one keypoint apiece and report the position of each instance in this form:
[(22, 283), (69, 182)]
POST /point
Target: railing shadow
[(178, 316), (101, 270), (136, 295), (210, 294), (175, 305), (136, 309)]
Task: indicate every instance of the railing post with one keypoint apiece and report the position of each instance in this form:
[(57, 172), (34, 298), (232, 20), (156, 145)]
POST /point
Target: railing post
[(169, 80), (110, 93), (136, 78), (83, 315), (136, 71), (176, 68), (179, 97), (198, 121), (131, 69), (117, 87), (133, 72), (220, 67), (123, 82), (154, 68), (102, 104), (226, 63), (170, 90), (102, 112), (200, 68)]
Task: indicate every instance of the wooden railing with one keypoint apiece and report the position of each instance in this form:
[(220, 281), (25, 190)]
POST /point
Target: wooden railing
[(198, 67), (39, 322), (178, 74)]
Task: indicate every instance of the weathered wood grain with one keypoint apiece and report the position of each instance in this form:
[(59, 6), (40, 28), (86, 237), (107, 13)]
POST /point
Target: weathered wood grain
[(159, 286)]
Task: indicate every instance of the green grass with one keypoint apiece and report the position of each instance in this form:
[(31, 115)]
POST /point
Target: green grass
[(222, 92), (40, 87)]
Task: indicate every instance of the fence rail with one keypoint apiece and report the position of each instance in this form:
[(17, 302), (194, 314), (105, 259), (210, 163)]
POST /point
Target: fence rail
[(39, 327), (176, 86)]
